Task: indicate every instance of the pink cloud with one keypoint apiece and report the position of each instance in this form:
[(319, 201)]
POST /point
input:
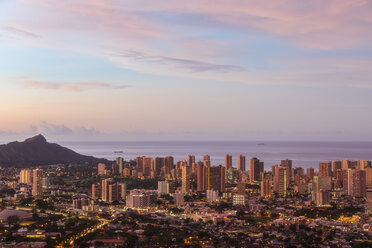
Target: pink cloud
[(74, 87), (101, 28), (334, 24), (313, 23), (19, 32)]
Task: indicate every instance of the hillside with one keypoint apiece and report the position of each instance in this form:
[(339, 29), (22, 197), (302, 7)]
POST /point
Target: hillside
[(37, 151)]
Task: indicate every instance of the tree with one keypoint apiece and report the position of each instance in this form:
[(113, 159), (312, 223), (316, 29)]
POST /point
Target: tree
[(274, 215), (293, 228), (99, 243), (176, 210), (220, 223), (41, 204), (187, 198), (13, 219), (26, 201), (35, 216), (240, 214)]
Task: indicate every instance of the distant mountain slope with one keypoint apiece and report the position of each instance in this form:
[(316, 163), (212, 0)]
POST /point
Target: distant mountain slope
[(37, 151)]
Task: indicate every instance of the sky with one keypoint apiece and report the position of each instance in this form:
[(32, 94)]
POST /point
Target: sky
[(186, 70)]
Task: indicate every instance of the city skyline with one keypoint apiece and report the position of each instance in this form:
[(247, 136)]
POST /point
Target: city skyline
[(208, 123), (237, 70)]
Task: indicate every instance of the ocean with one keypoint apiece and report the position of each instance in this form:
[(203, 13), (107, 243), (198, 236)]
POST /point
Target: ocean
[(304, 154)]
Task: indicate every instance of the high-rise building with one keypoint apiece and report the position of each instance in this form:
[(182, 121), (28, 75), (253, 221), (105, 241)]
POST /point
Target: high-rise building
[(369, 176), (101, 169), (267, 175), (123, 192), (297, 174), (266, 188), (134, 173), (147, 164), (179, 198), (115, 169), (96, 191), (337, 165), (178, 174), (144, 165), (105, 189), (179, 164), (25, 176), (113, 192), (186, 172), (139, 199), (232, 176), (325, 169), (165, 187), (356, 183), (322, 197), (241, 162), (239, 200), (169, 163), (216, 178), (210, 177), (207, 160), (287, 163), (363, 164), (80, 203), (303, 187), (190, 160), (117, 192), (126, 172), (354, 164), (310, 173), (281, 180), (228, 162), (339, 178), (120, 163), (37, 184), (159, 163), (193, 168), (256, 168), (139, 163), (241, 188), (345, 164), (322, 183), (200, 176), (212, 195), (46, 182), (297, 171)]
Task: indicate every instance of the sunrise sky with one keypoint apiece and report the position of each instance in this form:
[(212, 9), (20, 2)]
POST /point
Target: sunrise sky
[(186, 70)]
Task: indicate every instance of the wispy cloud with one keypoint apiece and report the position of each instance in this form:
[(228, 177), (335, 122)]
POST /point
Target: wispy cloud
[(313, 24), (73, 87), (235, 41), (61, 129), (20, 32), (51, 131), (62, 132), (192, 65)]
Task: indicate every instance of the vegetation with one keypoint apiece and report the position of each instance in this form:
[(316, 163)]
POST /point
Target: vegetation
[(331, 213)]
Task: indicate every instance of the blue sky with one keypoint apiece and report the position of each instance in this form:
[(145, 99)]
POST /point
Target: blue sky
[(211, 70)]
